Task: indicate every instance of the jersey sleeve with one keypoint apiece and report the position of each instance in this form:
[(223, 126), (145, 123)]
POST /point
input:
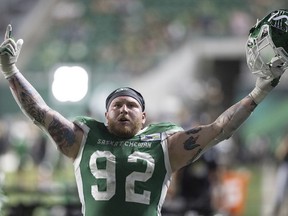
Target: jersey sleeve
[(162, 127), (81, 119)]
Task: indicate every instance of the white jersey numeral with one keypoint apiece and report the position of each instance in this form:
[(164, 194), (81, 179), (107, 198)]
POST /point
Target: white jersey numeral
[(108, 174), (131, 196)]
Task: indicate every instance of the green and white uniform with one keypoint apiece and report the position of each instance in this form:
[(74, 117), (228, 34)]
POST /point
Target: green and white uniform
[(126, 177)]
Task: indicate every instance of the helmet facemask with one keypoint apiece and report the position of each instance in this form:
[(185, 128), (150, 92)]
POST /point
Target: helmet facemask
[(266, 45)]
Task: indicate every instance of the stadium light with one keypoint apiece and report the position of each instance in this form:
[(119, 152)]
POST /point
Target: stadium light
[(70, 83)]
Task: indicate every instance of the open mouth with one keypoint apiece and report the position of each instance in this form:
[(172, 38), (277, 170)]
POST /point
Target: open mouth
[(123, 119)]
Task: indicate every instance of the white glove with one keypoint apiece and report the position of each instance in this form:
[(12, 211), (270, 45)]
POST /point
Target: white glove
[(9, 52), (263, 87), (265, 84)]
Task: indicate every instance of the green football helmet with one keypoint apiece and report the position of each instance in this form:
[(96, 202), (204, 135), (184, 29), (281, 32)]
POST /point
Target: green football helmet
[(267, 45)]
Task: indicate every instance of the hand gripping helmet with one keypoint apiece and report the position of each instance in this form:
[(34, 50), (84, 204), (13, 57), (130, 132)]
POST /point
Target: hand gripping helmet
[(267, 44)]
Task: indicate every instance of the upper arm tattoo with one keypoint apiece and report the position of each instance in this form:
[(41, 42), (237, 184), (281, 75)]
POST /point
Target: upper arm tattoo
[(191, 143), (63, 135)]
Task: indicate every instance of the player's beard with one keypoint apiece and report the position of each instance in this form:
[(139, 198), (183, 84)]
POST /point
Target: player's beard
[(124, 131)]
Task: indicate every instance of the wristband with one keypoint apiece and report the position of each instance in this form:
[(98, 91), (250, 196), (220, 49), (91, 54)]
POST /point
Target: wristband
[(258, 95), (9, 71)]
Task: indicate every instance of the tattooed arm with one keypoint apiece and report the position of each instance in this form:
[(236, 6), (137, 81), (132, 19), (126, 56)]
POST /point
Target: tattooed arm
[(64, 133), (185, 147)]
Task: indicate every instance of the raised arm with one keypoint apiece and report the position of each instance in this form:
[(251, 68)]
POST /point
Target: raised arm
[(63, 132), (185, 147)]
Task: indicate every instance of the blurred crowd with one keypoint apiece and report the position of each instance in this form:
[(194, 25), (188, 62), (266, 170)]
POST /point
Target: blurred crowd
[(130, 36)]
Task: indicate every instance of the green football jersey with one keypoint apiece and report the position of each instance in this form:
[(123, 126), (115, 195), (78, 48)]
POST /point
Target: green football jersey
[(125, 177)]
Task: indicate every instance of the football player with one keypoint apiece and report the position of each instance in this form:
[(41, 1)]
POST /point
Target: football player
[(122, 166)]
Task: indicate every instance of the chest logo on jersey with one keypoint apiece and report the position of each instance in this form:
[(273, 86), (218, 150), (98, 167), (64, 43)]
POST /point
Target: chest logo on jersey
[(150, 137), (128, 143)]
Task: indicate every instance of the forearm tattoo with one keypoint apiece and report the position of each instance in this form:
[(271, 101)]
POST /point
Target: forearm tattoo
[(31, 108), (252, 105), (28, 100), (233, 117), (225, 125)]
